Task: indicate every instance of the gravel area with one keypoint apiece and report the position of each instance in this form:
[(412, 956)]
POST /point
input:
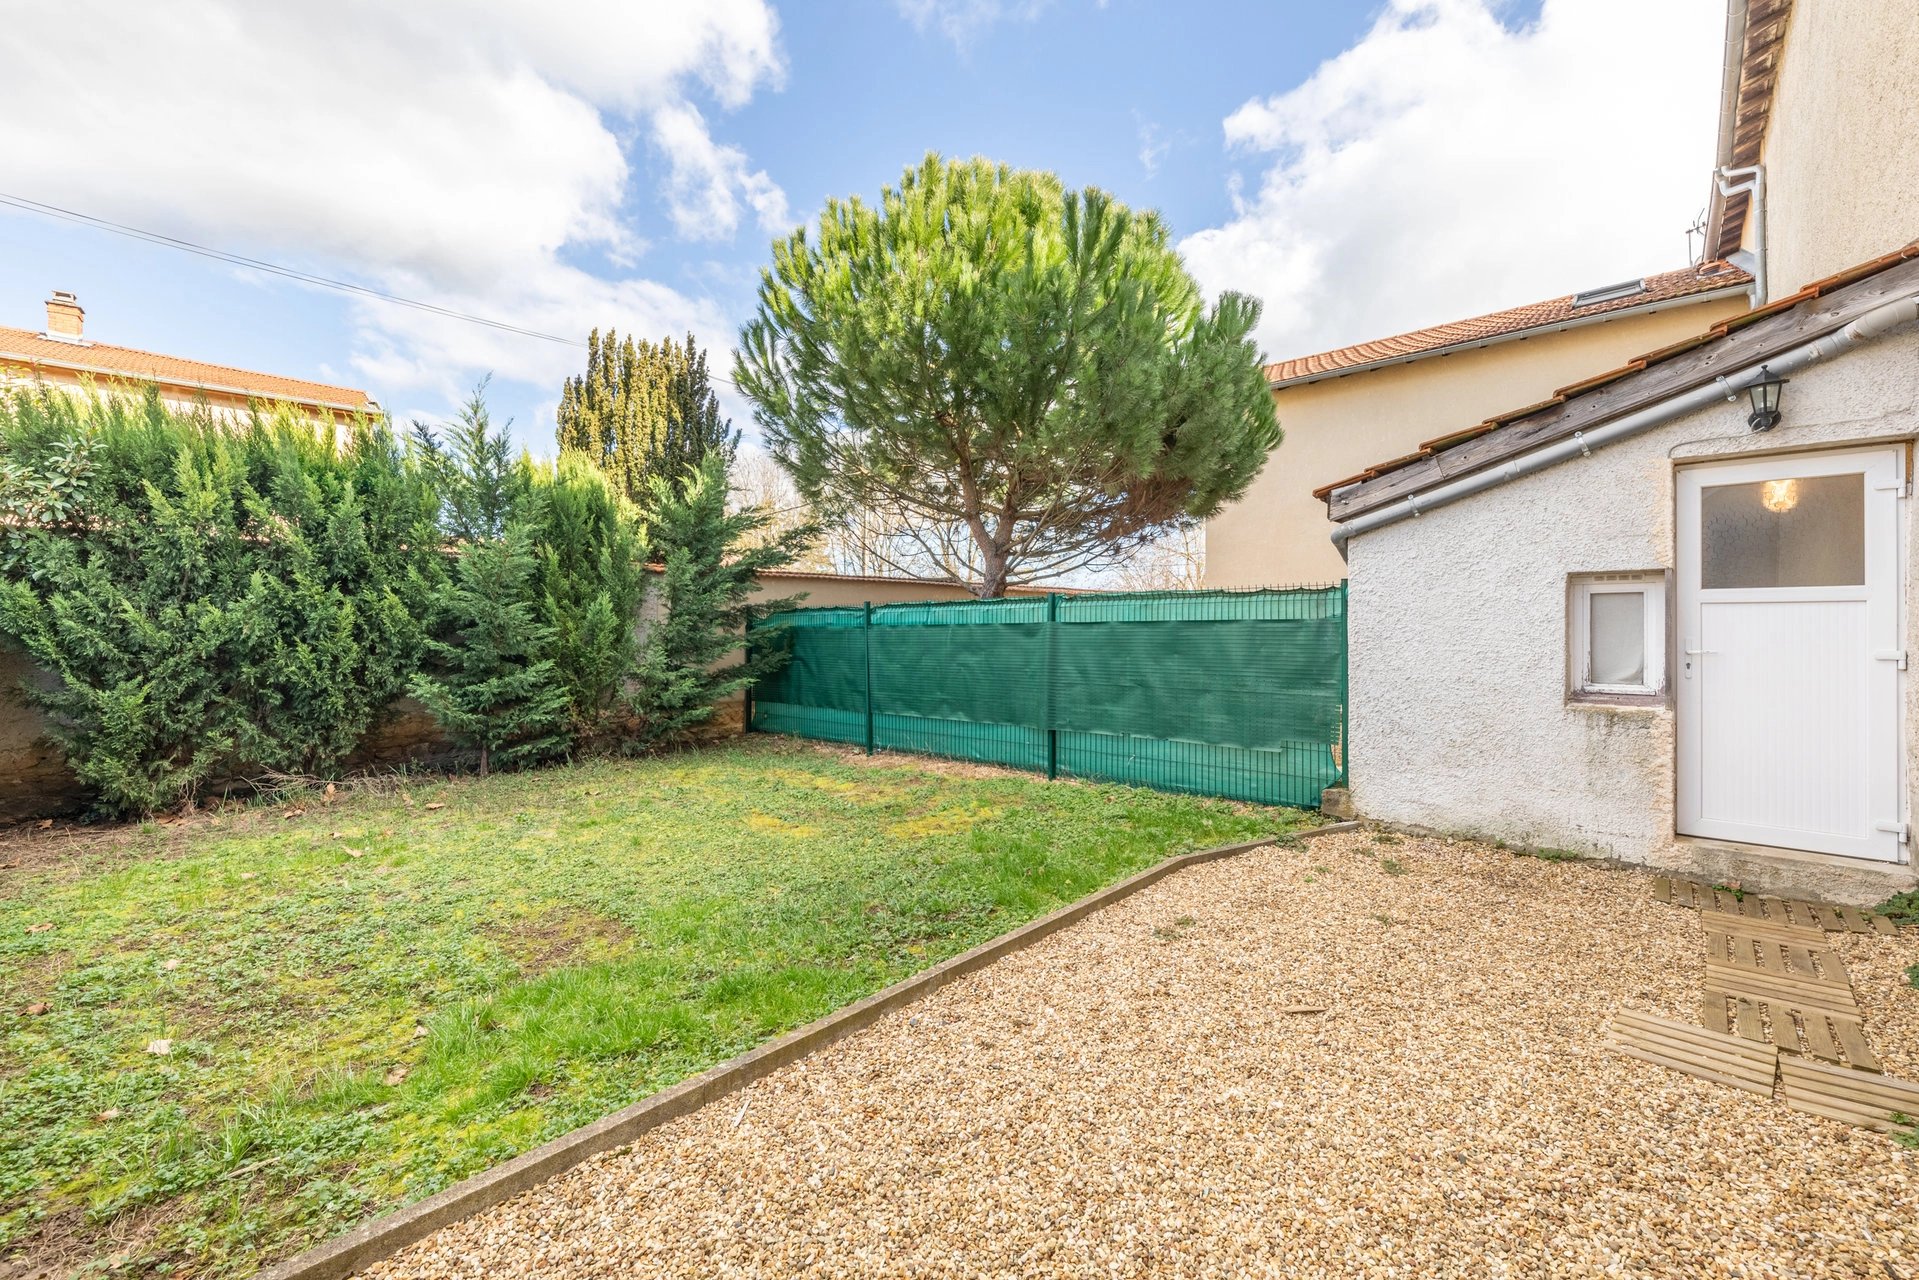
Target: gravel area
[(1131, 1097)]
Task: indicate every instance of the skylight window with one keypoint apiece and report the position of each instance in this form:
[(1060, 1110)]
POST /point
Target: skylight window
[(1610, 293)]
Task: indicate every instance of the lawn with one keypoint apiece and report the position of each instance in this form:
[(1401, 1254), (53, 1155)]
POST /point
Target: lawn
[(227, 1037)]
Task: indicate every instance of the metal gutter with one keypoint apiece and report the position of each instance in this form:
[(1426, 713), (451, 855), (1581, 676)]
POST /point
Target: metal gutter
[(1730, 74), (1867, 327), (1560, 326)]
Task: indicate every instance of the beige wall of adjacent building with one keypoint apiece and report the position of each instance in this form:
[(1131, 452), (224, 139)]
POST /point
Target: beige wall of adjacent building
[(1279, 535), (1842, 142)]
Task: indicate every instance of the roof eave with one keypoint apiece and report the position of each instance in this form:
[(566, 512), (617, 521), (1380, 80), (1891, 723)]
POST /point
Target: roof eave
[(1535, 331), (126, 375)]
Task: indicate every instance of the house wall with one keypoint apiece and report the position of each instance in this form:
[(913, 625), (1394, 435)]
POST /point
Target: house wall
[(1460, 719), (1278, 535), (1842, 142)]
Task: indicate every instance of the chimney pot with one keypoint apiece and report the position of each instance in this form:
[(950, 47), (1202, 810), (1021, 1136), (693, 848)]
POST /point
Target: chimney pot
[(65, 316)]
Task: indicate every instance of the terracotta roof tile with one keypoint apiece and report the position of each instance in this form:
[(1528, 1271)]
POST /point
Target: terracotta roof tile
[(1816, 289), (1707, 277), (24, 347)]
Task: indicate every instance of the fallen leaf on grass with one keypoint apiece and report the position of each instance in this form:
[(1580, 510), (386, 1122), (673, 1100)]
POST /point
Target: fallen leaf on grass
[(329, 794), (111, 1113), (294, 813), (44, 824), (171, 965), (394, 1076), (351, 852), (160, 1048), (37, 1008), (418, 1031), (437, 804), (45, 926), (246, 875), (8, 866)]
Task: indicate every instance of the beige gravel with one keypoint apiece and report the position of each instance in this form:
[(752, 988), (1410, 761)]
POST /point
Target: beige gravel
[(1127, 1099)]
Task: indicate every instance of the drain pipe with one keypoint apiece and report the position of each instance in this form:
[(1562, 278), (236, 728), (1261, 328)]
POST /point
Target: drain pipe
[(1753, 179), (1867, 327)]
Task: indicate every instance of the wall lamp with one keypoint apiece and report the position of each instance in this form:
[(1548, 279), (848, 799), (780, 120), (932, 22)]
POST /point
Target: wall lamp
[(1765, 401)]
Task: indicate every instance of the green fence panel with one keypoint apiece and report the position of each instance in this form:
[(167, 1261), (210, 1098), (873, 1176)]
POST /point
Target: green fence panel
[(820, 692), (1237, 694)]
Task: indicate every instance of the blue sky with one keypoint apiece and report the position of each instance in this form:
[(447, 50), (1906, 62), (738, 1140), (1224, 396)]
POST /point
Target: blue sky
[(1362, 167)]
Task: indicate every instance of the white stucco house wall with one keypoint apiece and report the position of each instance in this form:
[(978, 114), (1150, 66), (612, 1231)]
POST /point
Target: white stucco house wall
[(1633, 622)]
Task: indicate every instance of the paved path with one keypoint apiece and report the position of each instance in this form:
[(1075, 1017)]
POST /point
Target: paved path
[(1128, 1099)]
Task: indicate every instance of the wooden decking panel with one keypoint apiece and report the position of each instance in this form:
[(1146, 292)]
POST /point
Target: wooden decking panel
[(1696, 1051), (1788, 913), (1853, 1097)]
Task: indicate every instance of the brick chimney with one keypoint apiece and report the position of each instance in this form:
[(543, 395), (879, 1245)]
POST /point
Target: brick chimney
[(65, 316)]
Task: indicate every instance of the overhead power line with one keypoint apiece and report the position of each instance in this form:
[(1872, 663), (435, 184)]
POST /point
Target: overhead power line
[(291, 273), (274, 268)]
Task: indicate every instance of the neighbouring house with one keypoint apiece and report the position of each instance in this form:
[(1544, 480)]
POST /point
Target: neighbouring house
[(1665, 615), (62, 356), (1344, 410)]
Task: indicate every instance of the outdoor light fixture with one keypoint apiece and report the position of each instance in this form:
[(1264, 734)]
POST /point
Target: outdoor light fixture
[(1765, 401), (1779, 496)]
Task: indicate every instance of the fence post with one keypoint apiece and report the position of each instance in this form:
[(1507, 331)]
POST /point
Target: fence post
[(867, 632), (1345, 687), (1052, 655), (746, 694)]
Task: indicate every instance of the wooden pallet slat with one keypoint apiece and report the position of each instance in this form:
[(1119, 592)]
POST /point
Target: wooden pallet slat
[(1695, 1051), (1721, 922), (1745, 1016), (1712, 1007), (1881, 924), (1854, 920), (1819, 1041), (1838, 1093), (1661, 889), (1785, 1032), (1851, 1035), (1799, 992)]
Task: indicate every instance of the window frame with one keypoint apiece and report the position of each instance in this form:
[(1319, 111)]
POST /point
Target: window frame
[(1652, 586)]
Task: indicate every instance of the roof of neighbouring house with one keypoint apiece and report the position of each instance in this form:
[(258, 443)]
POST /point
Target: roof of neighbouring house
[(110, 363), (1751, 75), (1737, 342), (1512, 323)]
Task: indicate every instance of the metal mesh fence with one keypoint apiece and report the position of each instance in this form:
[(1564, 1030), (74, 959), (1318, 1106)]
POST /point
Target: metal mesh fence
[(1229, 693)]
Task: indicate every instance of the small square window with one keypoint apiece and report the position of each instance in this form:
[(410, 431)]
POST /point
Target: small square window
[(1617, 634)]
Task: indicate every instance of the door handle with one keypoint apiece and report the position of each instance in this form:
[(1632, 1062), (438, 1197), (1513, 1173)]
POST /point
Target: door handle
[(1696, 652)]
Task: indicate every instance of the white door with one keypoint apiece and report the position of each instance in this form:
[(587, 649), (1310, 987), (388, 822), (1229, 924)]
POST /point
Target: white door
[(1789, 652)]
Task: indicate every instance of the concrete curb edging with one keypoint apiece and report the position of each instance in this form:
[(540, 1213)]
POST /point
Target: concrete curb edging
[(383, 1236)]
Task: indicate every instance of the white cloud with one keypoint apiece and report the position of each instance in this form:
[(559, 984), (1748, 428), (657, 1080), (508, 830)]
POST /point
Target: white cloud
[(1153, 144), (459, 151), (1447, 165), (709, 181), (964, 21)]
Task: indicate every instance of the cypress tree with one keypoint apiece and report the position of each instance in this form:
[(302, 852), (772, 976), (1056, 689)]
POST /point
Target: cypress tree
[(643, 411)]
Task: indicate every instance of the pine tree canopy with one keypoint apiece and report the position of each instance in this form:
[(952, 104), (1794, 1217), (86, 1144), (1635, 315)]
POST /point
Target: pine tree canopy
[(643, 411), (1023, 380)]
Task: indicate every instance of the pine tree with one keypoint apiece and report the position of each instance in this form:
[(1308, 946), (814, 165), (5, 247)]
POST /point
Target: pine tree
[(491, 680), (709, 563), (493, 688), (643, 411), (1023, 381)]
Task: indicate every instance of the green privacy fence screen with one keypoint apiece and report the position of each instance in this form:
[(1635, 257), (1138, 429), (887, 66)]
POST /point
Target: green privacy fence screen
[(1228, 693)]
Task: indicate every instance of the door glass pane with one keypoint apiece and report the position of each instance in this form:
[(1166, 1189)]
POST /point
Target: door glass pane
[(1616, 647), (1808, 531)]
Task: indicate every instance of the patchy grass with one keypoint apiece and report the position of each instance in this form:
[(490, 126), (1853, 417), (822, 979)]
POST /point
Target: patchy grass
[(258, 1030), (1548, 855), (1903, 908), (1392, 866)]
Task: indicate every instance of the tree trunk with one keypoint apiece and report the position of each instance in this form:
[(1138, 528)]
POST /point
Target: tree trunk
[(486, 758), (992, 584)]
